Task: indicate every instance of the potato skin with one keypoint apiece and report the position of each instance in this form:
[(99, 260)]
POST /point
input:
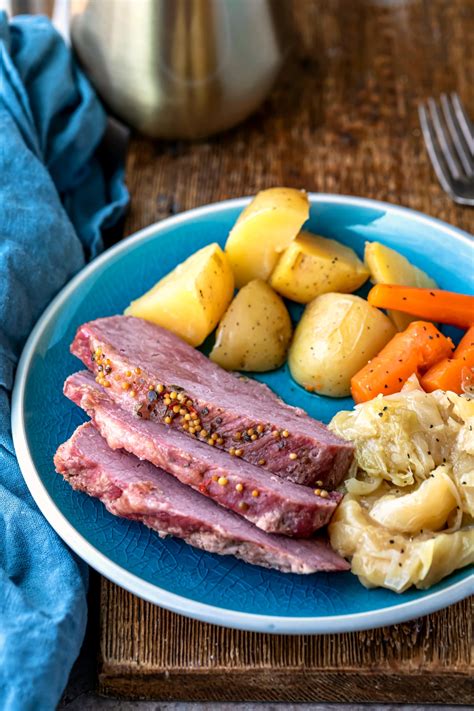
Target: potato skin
[(255, 331), (312, 265), (264, 229), (191, 299), (336, 336)]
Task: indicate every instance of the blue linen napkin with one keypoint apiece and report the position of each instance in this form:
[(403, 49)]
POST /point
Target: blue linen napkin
[(54, 201)]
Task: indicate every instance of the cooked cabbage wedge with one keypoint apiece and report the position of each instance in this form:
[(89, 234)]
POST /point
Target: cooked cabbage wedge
[(407, 517), (427, 507), (381, 558), (404, 436)]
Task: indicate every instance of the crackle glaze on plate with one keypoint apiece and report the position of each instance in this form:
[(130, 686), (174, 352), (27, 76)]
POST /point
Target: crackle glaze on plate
[(217, 589)]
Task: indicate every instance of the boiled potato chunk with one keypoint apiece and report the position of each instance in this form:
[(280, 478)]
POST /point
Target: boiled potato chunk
[(314, 265), (264, 229), (388, 266), (255, 331), (190, 300), (337, 335)]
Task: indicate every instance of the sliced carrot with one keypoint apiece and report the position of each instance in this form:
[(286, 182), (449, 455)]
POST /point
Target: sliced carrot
[(465, 345), (430, 304), (453, 373), (414, 350), (448, 374)]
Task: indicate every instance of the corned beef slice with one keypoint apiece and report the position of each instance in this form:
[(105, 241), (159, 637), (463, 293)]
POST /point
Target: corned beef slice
[(271, 503), (155, 375), (138, 490)]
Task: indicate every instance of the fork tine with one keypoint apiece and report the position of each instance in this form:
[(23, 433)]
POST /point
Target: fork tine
[(442, 140), (433, 152), (457, 136), (464, 121)]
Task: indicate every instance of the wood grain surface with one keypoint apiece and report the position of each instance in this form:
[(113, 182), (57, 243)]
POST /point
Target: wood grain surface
[(343, 119)]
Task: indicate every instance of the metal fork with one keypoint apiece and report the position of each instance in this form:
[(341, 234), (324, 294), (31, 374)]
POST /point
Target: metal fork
[(449, 139)]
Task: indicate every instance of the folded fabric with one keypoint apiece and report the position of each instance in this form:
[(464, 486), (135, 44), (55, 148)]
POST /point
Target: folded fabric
[(55, 198)]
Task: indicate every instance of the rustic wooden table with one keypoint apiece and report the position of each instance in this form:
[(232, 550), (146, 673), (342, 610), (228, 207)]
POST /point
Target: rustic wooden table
[(342, 119)]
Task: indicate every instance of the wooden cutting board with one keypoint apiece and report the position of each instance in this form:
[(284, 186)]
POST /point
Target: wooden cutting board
[(342, 119), (147, 652)]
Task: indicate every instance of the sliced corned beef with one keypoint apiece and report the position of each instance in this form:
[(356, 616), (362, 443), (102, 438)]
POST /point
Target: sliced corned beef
[(137, 490), (157, 376), (271, 503)]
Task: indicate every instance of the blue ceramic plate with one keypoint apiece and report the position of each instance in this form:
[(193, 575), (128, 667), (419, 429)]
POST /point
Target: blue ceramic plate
[(218, 589)]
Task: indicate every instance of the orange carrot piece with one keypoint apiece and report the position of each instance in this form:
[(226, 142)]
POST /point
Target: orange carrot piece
[(414, 350), (448, 374), (430, 304), (465, 345), (452, 373)]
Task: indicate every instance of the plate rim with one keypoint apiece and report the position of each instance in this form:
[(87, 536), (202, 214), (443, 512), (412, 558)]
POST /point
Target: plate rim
[(154, 593)]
